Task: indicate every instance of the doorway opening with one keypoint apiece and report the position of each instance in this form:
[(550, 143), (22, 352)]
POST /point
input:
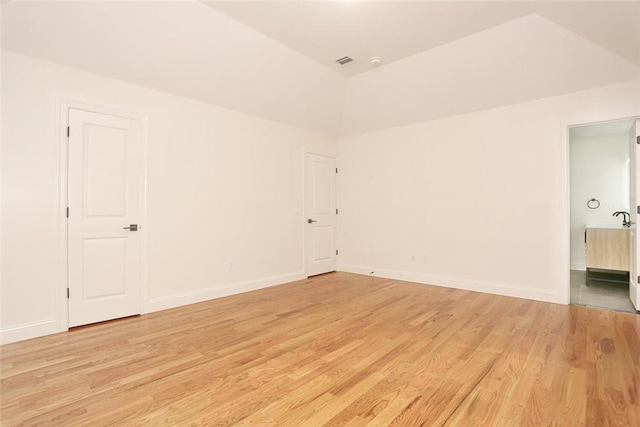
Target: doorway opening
[(602, 238)]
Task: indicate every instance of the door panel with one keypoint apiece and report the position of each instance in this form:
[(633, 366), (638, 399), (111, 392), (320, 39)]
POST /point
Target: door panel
[(633, 273), (322, 175), (105, 174), (634, 163), (105, 188), (104, 268), (323, 243), (320, 209)]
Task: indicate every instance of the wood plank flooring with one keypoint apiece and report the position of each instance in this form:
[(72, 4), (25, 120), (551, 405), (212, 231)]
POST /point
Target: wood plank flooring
[(336, 350)]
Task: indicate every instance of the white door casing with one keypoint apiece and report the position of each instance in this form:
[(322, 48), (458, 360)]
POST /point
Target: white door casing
[(104, 196), (634, 162), (320, 214)]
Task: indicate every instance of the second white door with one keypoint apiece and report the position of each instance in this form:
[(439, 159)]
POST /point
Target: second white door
[(105, 209), (320, 211)]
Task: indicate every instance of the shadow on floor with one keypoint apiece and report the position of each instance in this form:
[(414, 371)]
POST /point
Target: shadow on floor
[(602, 290)]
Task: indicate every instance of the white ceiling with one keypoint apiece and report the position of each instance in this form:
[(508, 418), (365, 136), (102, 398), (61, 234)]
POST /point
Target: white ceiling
[(180, 47), (275, 59), (522, 60), (362, 29)]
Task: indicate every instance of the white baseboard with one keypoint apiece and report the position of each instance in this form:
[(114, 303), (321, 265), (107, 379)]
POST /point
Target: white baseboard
[(50, 326), (177, 300), (28, 330), (581, 266), (449, 282)]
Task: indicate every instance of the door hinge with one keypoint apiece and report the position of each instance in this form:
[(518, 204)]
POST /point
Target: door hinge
[(638, 139), (67, 212), (336, 252), (638, 279), (67, 293), (638, 210), (585, 236), (336, 170), (68, 131), (336, 211)]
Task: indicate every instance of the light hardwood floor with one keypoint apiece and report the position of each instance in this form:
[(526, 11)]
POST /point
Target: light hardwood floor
[(338, 349)]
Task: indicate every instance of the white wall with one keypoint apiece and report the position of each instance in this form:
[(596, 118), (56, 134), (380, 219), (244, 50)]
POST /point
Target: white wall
[(598, 170), (479, 197), (476, 199), (221, 186)]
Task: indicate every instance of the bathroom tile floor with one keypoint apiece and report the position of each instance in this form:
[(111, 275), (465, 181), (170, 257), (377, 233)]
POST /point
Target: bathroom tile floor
[(596, 293)]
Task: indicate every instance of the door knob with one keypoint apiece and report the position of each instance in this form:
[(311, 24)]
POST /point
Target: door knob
[(132, 227), (311, 220)]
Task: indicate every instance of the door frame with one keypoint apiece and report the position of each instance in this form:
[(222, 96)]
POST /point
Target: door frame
[(61, 280), (565, 244), (304, 205)]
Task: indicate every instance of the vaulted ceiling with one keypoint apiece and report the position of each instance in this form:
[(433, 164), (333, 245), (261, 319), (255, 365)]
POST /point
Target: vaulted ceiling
[(276, 59), (328, 30)]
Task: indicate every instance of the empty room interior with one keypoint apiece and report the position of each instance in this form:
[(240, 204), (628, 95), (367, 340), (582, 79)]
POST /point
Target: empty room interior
[(306, 213)]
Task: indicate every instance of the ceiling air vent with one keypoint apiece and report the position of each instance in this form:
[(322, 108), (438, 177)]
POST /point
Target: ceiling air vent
[(344, 60)]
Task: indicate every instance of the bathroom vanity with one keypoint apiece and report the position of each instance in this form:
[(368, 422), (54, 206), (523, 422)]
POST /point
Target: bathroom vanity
[(607, 248)]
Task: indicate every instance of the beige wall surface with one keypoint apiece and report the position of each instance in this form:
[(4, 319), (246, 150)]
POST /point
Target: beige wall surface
[(476, 201), (221, 186)]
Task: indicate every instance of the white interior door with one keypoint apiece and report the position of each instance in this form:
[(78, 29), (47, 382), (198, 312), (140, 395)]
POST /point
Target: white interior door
[(634, 163), (320, 211), (104, 198)]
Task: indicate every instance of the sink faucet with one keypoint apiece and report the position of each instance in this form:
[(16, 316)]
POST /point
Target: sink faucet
[(626, 218)]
